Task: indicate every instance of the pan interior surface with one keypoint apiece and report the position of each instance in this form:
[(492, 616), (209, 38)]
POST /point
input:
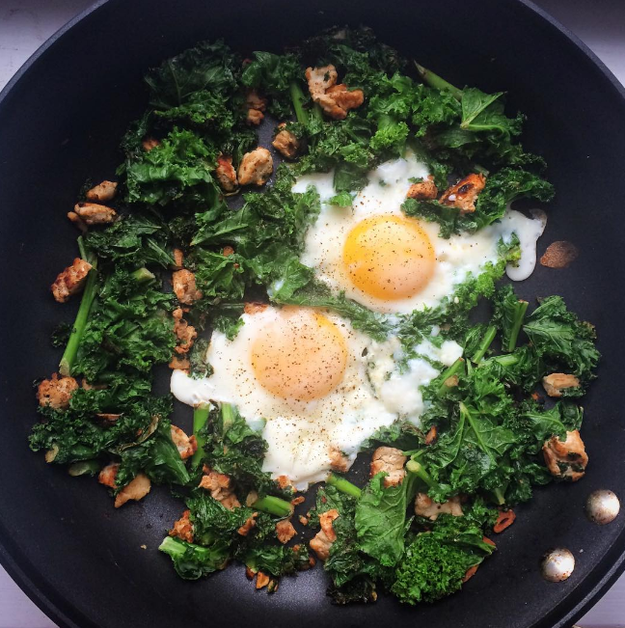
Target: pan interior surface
[(60, 123)]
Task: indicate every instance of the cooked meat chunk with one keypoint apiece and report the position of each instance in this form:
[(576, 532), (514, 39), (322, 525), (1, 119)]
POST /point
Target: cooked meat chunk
[(255, 104), (183, 528), (108, 474), (424, 190), (555, 383), (220, 487), (253, 307), (226, 174), (250, 522), (71, 280), (185, 333), (78, 221), (559, 254), (262, 580), (149, 143), (107, 418), (338, 461), (178, 259), (334, 99), (426, 507), (285, 531), (566, 459), (254, 117), (285, 142), (323, 540), (256, 167), (391, 461), (102, 192), (182, 364), (183, 282), (186, 445), (136, 489), (94, 213), (463, 194), (56, 392)]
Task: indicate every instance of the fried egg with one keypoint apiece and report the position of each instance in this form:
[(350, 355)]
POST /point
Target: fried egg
[(315, 386), (392, 263)]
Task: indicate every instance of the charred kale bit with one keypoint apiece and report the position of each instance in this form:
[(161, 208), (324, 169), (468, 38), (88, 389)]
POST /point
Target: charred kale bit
[(484, 435)]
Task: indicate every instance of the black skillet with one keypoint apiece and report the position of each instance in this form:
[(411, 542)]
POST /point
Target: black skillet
[(60, 122)]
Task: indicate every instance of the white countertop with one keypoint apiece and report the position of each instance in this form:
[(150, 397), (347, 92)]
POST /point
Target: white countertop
[(26, 24)]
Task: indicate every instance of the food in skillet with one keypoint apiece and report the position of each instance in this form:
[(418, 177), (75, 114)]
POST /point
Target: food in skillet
[(314, 295)]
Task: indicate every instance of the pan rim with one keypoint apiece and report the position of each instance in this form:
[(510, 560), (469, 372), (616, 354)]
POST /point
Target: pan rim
[(65, 615)]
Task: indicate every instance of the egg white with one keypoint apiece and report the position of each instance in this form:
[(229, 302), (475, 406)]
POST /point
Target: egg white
[(456, 257), (301, 435)]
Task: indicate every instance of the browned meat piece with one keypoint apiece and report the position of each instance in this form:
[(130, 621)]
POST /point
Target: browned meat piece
[(262, 580), (334, 99), (186, 445), (94, 213), (463, 194), (107, 418), (566, 459), (555, 383), (255, 167), (183, 528), (178, 259), (136, 489), (285, 531), (559, 254), (391, 461), (185, 333), (338, 461), (254, 117), (426, 507), (323, 540), (78, 221), (250, 522), (254, 308), (182, 364), (183, 282), (149, 143), (220, 487), (102, 192), (255, 106), (71, 280), (424, 190), (56, 392), (108, 474), (226, 174), (285, 142)]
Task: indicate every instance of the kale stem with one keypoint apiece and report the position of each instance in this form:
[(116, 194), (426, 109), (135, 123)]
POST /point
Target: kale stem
[(417, 469), (273, 506), (433, 80), (200, 417), (506, 360), (521, 308), (489, 336), (343, 485), (142, 274), (317, 113), (69, 355), (297, 96), (82, 249), (499, 496), (227, 417), (450, 372)]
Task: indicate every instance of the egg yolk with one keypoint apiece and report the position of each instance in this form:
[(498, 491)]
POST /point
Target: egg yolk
[(301, 355), (389, 257)]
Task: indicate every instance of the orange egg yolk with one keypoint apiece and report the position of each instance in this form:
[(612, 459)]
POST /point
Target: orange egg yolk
[(301, 355), (389, 257)]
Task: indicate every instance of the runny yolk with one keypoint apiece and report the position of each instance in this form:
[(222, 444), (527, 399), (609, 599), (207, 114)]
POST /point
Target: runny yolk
[(389, 257), (301, 355)]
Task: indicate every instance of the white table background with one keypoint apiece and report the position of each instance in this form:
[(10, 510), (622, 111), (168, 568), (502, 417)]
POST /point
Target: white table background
[(26, 24)]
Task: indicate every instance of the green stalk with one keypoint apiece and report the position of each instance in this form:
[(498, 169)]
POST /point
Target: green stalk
[(450, 372), (489, 336), (417, 469), (143, 274), (297, 96), (273, 506), (200, 417), (82, 249), (506, 360), (227, 417), (433, 80), (343, 485), (69, 355), (499, 496), (521, 308), (317, 113)]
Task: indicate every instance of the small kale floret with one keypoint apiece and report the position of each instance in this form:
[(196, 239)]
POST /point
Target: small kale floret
[(192, 561)]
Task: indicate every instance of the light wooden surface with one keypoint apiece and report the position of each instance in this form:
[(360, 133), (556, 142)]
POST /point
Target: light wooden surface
[(26, 24)]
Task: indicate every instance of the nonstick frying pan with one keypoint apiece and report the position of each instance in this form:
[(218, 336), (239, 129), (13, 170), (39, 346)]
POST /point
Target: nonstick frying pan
[(60, 122)]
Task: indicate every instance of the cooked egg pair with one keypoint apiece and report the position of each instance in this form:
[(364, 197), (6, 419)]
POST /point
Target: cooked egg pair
[(317, 387)]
